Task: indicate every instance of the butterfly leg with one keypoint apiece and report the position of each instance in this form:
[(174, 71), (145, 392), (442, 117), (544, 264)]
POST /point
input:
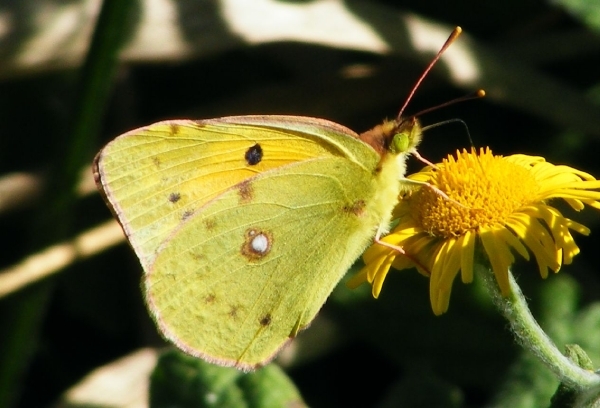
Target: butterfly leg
[(423, 159), (434, 189)]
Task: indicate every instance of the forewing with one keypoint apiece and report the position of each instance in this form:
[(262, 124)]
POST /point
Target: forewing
[(158, 176)]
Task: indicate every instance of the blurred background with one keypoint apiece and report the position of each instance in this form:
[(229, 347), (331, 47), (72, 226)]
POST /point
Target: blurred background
[(70, 81)]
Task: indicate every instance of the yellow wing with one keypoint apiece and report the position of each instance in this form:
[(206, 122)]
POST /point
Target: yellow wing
[(244, 225), (157, 176)]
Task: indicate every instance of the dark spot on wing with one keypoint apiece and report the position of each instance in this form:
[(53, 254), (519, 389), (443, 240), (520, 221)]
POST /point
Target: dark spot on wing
[(174, 128), (156, 161), (187, 214), (265, 320), (245, 191), (254, 155), (210, 298), (357, 208), (209, 224), (233, 312), (198, 256), (174, 197)]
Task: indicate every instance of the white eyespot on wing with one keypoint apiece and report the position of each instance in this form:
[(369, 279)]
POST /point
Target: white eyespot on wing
[(260, 243), (257, 244)]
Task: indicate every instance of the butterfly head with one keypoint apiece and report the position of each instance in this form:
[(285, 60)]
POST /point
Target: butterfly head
[(395, 137)]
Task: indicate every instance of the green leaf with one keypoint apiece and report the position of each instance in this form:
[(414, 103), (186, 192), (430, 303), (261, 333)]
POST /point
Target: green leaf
[(180, 380)]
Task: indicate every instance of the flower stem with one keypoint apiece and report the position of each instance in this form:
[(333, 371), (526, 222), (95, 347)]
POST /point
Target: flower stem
[(531, 336)]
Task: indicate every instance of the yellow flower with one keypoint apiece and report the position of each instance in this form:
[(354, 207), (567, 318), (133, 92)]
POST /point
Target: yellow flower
[(503, 209)]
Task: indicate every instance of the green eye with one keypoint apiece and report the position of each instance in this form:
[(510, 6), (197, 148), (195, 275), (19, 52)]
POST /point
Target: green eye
[(400, 143)]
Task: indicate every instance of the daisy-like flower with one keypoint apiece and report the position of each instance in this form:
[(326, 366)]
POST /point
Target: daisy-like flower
[(499, 204)]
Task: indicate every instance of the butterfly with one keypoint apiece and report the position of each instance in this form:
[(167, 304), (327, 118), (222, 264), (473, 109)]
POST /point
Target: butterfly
[(243, 225)]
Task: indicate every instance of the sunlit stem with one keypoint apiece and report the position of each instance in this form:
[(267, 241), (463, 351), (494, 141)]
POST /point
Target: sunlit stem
[(531, 336)]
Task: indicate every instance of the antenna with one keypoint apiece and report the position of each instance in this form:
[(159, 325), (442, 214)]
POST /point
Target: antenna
[(474, 95), (445, 122), (453, 36)]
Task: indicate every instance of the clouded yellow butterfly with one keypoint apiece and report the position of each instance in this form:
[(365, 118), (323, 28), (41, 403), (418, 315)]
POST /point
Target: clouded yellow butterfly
[(244, 225)]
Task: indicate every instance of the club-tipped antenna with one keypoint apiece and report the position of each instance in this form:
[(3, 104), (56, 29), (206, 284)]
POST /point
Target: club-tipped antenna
[(480, 93), (453, 36)]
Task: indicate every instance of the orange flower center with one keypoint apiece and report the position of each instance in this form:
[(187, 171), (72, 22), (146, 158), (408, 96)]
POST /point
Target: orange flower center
[(488, 188)]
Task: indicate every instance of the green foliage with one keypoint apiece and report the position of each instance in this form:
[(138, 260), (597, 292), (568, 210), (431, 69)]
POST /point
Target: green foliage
[(586, 11), (183, 381)]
